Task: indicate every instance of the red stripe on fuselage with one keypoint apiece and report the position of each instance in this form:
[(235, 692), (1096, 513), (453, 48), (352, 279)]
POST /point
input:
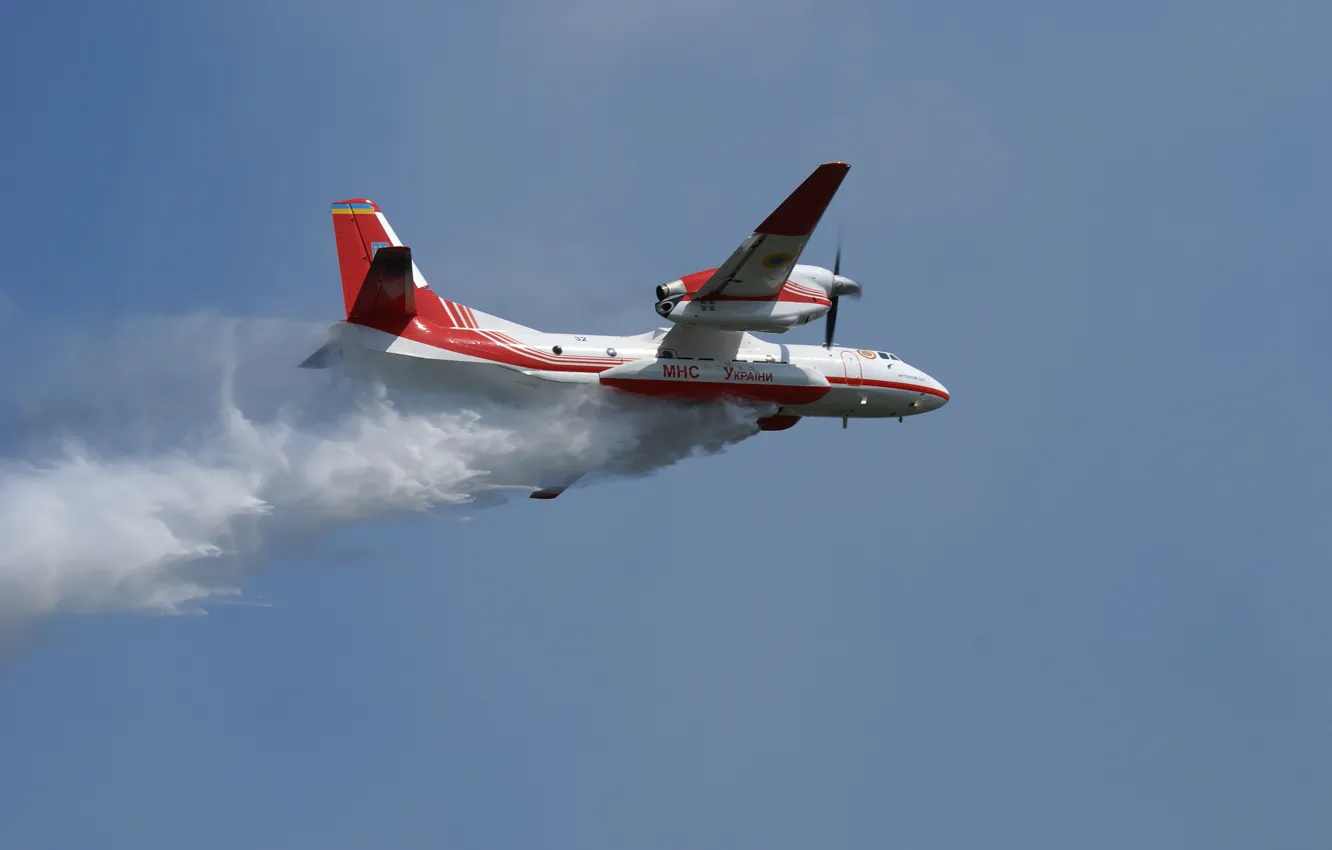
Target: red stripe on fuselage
[(484, 345), (717, 391), (550, 357), (890, 385), (502, 349)]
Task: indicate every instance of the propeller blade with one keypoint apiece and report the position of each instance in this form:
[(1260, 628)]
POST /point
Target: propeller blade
[(830, 322)]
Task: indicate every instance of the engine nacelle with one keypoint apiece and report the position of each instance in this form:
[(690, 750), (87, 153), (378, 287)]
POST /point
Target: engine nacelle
[(821, 278), (763, 316), (803, 299), (674, 289)]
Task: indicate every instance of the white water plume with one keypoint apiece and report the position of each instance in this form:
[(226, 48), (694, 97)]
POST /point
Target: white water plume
[(143, 469)]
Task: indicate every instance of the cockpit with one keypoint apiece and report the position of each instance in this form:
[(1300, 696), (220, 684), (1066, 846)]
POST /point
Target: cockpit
[(888, 356)]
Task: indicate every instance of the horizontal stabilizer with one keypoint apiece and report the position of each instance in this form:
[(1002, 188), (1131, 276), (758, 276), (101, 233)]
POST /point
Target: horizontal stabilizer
[(557, 377), (322, 358), (389, 289)]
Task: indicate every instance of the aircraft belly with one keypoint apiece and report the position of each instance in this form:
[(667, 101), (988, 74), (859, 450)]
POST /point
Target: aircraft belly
[(860, 402)]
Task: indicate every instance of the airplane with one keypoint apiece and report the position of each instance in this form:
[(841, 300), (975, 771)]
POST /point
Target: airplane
[(400, 332)]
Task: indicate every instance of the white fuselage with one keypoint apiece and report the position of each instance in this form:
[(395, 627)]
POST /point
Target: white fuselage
[(849, 382)]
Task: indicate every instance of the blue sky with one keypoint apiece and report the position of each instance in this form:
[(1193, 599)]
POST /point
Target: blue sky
[(1082, 606)]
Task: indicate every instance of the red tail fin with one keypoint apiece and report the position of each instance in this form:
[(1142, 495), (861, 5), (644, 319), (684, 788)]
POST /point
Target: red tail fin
[(360, 231), (380, 287), (388, 291)]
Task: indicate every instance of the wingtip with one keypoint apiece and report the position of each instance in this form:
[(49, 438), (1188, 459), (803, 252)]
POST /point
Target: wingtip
[(799, 214), (547, 493)]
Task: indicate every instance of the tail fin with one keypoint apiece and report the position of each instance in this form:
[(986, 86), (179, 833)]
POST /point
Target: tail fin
[(361, 230), (385, 298), (388, 290), (391, 287)]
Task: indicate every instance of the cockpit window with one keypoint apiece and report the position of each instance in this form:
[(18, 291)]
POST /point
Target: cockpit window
[(887, 356)]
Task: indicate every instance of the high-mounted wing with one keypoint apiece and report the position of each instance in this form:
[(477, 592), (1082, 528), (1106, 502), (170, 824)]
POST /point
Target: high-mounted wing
[(760, 266)]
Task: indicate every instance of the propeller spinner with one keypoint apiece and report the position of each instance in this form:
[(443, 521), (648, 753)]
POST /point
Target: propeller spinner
[(840, 286)]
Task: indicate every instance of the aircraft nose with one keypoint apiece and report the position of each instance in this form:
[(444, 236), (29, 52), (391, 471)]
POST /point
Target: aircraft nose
[(940, 395)]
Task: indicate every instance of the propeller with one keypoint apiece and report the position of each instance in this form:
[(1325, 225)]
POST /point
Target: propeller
[(840, 286)]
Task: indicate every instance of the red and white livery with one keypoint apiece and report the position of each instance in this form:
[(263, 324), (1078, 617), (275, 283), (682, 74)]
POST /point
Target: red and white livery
[(399, 331)]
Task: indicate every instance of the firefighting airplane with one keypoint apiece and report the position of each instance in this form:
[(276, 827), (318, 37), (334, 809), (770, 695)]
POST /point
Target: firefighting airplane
[(402, 333)]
